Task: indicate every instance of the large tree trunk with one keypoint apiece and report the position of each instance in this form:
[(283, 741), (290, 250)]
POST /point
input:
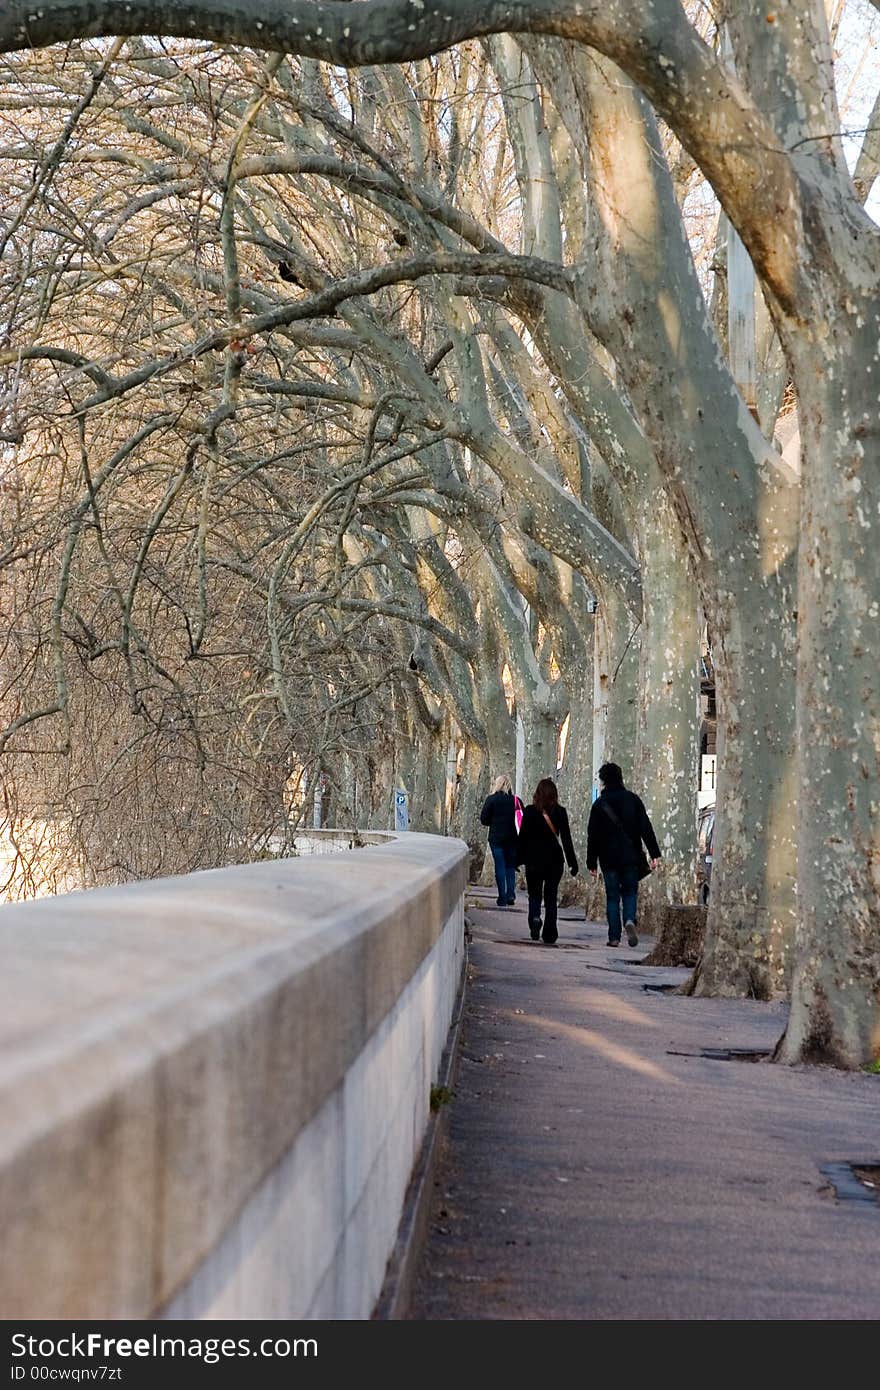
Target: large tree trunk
[(472, 788), (734, 500), (576, 777), (428, 790), (668, 753), (750, 930), (616, 685), (541, 728), (835, 1012)]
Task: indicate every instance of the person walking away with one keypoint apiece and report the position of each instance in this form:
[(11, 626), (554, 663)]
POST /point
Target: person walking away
[(499, 813), (618, 827), (543, 846)]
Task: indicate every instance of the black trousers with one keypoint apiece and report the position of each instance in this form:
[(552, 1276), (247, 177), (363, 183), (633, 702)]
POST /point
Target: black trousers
[(542, 881)]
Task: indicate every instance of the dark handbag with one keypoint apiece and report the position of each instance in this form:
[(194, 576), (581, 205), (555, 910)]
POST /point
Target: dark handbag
[(643, 864)]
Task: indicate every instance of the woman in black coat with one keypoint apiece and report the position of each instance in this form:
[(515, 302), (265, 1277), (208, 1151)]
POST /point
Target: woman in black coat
[(543, 845)]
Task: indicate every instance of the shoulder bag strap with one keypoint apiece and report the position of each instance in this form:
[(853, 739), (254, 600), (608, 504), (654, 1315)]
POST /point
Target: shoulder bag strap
[(550, 823), (615, 818), (612, 815)]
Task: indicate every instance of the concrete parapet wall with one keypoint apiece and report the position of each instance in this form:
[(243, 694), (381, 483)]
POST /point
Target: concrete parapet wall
[(213, 1088), (331, 841)]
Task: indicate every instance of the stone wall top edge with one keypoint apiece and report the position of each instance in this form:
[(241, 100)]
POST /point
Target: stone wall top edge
[(175, 1046), (102, 960), (415, 850)]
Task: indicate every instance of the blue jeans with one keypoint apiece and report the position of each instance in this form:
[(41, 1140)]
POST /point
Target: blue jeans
[(505, 871), (620, 883)]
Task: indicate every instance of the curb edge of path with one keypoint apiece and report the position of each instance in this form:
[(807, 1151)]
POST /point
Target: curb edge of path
[(394, 1300)]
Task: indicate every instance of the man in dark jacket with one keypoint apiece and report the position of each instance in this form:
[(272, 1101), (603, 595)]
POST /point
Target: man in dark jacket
[(618, 826)]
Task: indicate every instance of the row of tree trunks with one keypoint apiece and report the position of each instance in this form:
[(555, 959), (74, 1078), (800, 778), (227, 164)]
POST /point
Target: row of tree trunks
[(779, 567)]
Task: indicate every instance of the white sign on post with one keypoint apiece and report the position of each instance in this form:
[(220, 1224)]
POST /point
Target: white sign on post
[(401, 810), (708, 780)]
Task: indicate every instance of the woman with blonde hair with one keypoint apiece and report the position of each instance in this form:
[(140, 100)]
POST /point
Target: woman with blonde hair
[(499, 813)]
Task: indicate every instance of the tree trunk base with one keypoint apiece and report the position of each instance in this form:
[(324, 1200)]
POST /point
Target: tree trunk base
[(476, 862), (486, 877), (572, 891), (594, 899), (679, 932)]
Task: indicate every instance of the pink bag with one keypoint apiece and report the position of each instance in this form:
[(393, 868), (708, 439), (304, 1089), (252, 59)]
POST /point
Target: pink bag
[(517, 813)]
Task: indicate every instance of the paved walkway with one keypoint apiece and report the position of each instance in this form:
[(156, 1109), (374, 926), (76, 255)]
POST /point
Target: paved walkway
[(596, 1168)]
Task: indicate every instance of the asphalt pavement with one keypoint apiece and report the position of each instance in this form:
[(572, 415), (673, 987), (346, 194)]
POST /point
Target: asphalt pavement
[(598, 1165)]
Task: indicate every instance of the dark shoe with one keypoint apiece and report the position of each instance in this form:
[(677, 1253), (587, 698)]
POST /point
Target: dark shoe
[(511, 902), (500, 902), (535, 927), (550, 943), (631, 934), (609, 942)]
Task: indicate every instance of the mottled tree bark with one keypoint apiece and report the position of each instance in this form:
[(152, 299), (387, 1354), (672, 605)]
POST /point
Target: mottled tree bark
[(576, 774), (835, 1013), (750, 933), (759, 138), (667, 757), (471, 791), (827, 311), (616, 685), (428, 793), (735, 504)]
